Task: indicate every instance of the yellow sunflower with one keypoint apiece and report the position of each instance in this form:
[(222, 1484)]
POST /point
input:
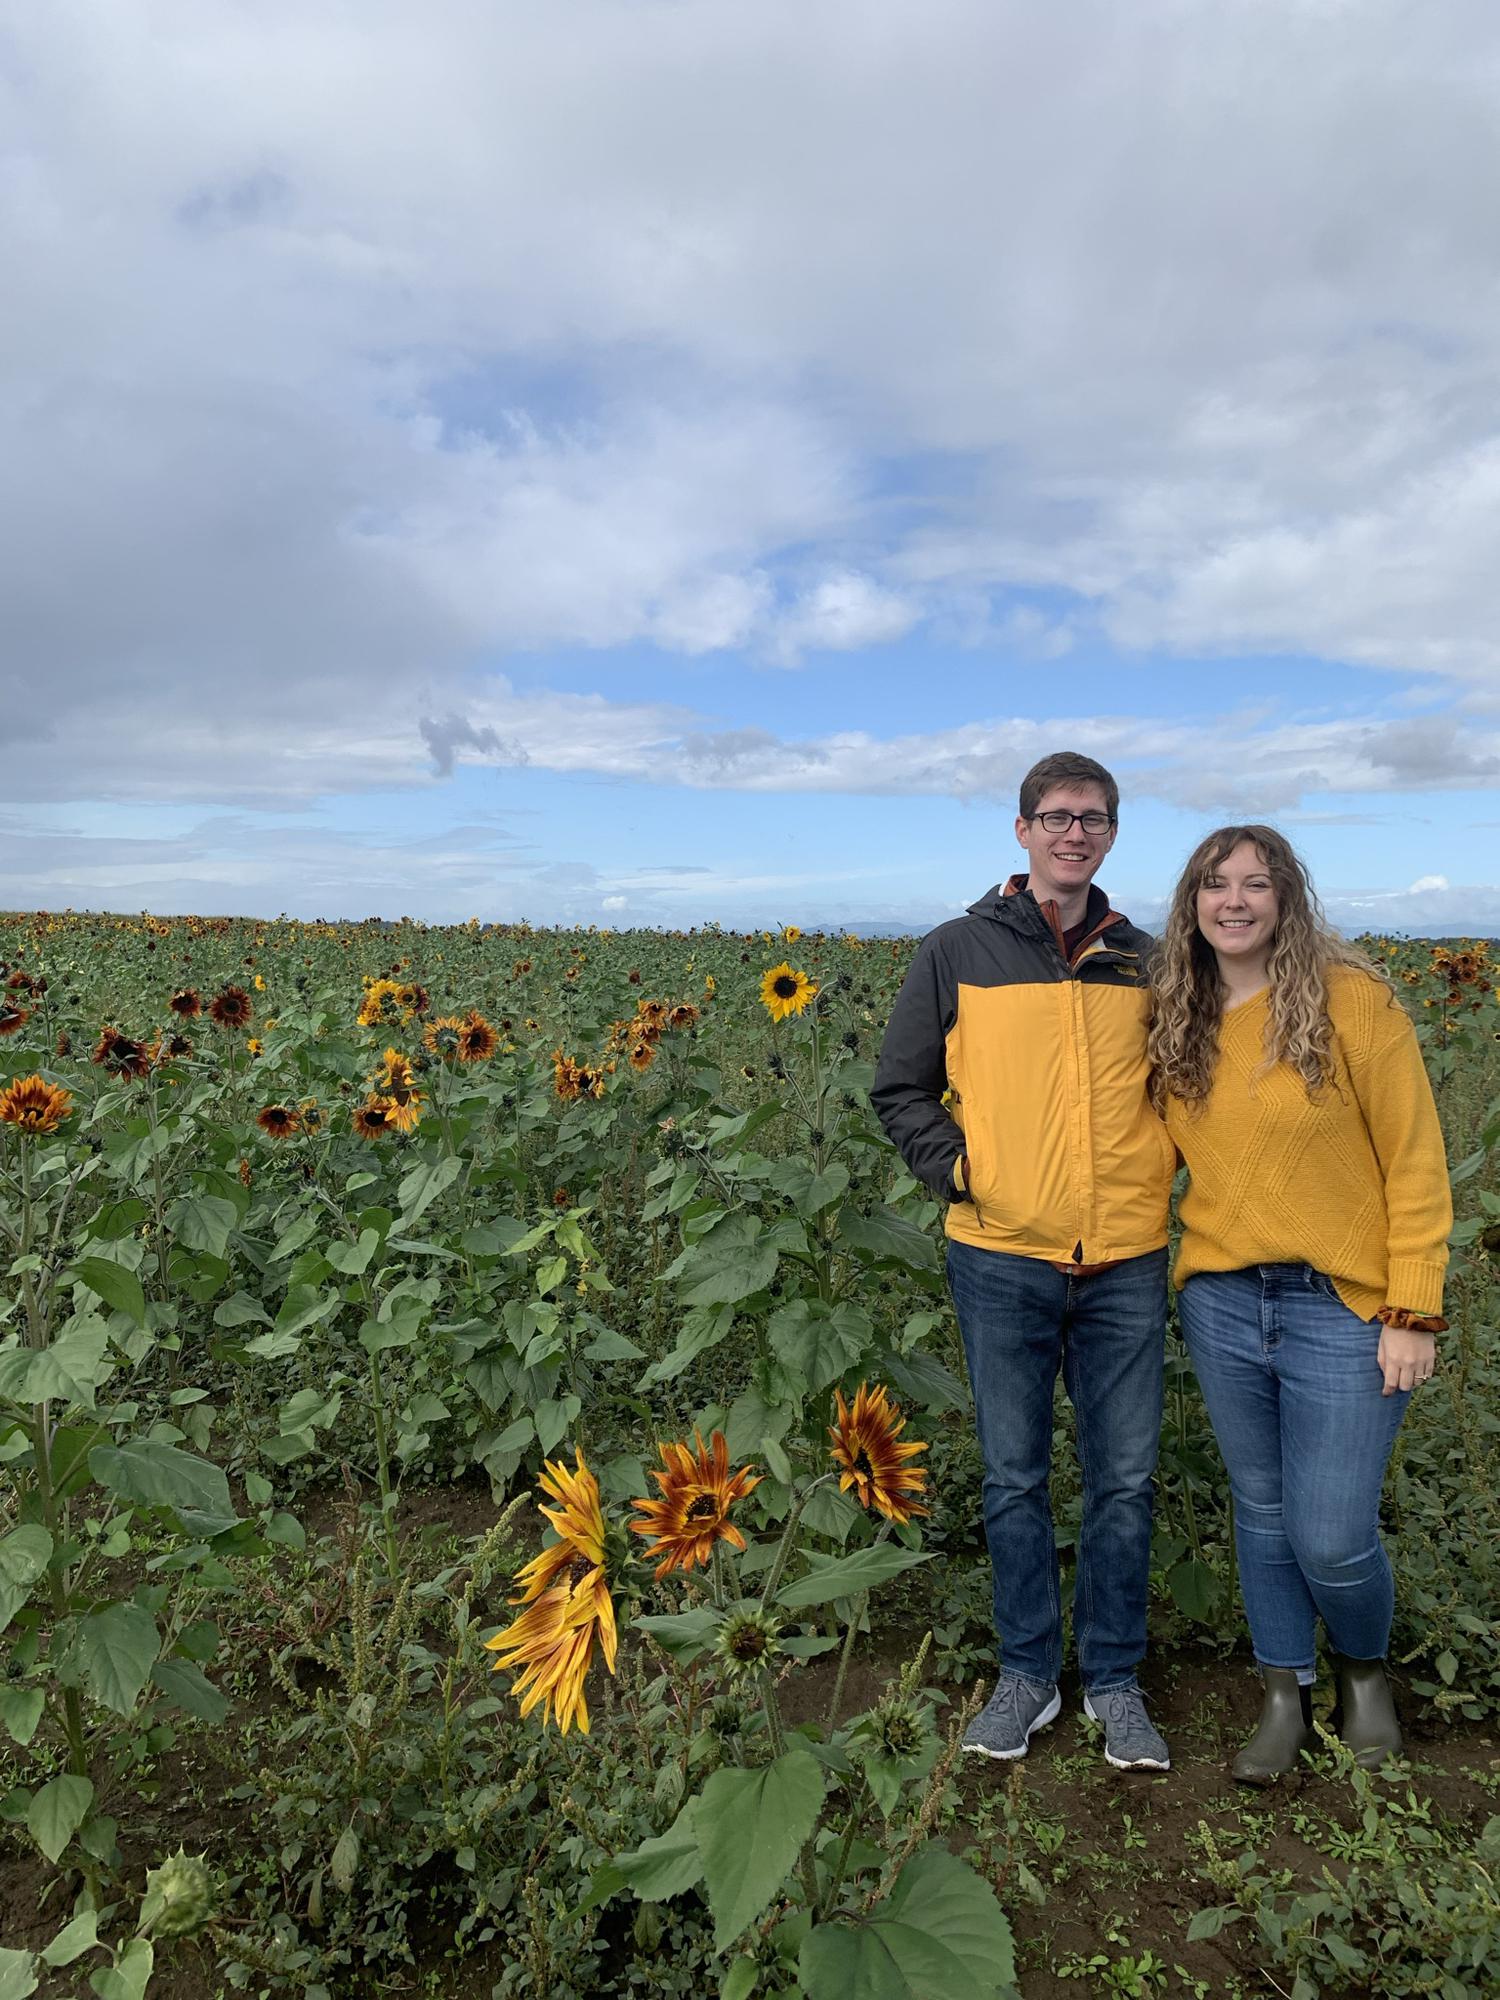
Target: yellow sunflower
[(869, 1458), (697, 1492), (785, 991), (34, 1105), (568, 1608)]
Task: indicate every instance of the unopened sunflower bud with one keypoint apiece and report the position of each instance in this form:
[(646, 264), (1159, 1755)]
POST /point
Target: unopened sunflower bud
[(747, 1641), (179, 1896)]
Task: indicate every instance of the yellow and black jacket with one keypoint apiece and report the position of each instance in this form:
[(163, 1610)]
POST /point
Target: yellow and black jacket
[(1044, 1065)]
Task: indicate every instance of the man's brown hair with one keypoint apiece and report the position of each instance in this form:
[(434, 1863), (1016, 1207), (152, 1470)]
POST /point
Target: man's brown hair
[(1067, 767)]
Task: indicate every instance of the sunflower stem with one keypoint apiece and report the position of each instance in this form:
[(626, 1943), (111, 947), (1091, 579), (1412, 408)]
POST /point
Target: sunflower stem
[(773, 1581), (772, 1709), (850, 1635), (841, 1863)]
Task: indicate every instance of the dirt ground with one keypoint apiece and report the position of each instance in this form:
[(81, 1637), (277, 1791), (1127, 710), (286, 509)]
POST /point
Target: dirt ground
[(1114, 1851)]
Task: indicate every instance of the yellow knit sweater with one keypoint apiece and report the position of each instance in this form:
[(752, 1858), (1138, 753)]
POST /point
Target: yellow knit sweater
[(1354, 1183)]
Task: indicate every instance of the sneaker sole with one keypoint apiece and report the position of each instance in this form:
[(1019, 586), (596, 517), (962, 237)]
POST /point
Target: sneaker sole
[(1127, 1763), (1049, 1714)]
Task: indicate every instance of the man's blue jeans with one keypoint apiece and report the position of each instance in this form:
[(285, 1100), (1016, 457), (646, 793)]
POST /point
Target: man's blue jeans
[(1021, 1320), (1296, 1399)]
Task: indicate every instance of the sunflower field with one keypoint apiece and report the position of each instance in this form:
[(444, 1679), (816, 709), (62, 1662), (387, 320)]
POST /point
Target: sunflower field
[(488, 1506)]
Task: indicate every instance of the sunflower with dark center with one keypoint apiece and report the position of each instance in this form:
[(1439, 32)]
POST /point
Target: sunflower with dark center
[(682, 1016), (442, 1038), (12, 1018), (871, 1460), (231, 1008), (786, 991), (692, 1515), (568, 1610), (186, 1002), (121, 1056), (372, 1119), (747, 1641), (642, 1055), (279, 1121), (477, 1040), (34, 1106)]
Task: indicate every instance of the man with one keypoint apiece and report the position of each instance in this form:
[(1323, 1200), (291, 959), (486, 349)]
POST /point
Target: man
[(1030, 1013)]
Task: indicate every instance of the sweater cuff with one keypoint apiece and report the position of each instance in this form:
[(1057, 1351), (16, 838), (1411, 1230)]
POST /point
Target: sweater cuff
[(1417, 1284)]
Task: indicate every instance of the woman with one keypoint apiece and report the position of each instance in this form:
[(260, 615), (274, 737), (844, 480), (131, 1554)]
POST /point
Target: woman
[(1310, 1274)]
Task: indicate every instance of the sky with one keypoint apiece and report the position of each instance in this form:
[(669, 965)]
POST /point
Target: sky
[(662, 461)]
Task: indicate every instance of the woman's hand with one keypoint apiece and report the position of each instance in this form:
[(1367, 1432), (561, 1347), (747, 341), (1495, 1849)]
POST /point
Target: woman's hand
[(1406, 1358)]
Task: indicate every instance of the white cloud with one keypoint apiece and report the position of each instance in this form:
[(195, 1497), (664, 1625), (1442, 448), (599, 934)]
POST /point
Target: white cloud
[(348, 344)]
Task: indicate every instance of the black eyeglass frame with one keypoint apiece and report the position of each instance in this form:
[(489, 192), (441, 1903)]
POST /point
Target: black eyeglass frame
[(1082, 819)]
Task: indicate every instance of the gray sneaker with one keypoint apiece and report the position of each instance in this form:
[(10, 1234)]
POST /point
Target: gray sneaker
[(1131, 1740), (1011, 1717)]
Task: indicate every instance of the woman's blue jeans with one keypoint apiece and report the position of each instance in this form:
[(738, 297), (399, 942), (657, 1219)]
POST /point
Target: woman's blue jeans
[(1022, 1320), (1296, 1399)]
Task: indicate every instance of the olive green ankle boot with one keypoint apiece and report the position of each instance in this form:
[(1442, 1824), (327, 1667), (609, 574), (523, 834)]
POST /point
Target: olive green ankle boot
[(1365, 1717), (1283, 1732)]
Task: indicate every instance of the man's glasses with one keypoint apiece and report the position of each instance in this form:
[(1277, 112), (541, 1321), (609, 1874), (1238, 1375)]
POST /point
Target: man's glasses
[(1062, 822)]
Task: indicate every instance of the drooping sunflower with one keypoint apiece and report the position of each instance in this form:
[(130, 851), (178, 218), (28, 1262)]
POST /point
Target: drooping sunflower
[(372, 1119), (568, 1608), (405, 1109), (870, 1459), (393, 1074), (682, 1016), (279, 1121), (120, 1055), (785, 991), (12, 1018), (642, 1055), (231, 1008), (477, 1040), (33, 1105), (697, 1492)]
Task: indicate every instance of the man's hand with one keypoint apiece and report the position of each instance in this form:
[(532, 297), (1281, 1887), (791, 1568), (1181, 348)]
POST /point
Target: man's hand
[(1406, 1358)]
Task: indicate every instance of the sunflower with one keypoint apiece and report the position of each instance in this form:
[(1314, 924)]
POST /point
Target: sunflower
[(642, 1055), (477, 1040), (870, 1459), (231, 1008), (12, 1018), (404, 1110), (785, 990), (568, 1609), (697, 1492), (790, 934), (683, 1016), (372, 1119), (120, 1055), (443, 1037), (279, 1121), (394, 1074), (34, 1105)]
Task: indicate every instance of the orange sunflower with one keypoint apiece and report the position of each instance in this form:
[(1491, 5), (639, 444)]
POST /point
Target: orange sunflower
[(34, 1105), (12, 1018), (870, 1459), (568, 1608), (279, 1121), (372, 1119), (477, 1040), (697, 1492)]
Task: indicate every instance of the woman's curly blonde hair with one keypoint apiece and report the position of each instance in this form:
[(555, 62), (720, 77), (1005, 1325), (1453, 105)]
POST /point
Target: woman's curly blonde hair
[(1187, 994)]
